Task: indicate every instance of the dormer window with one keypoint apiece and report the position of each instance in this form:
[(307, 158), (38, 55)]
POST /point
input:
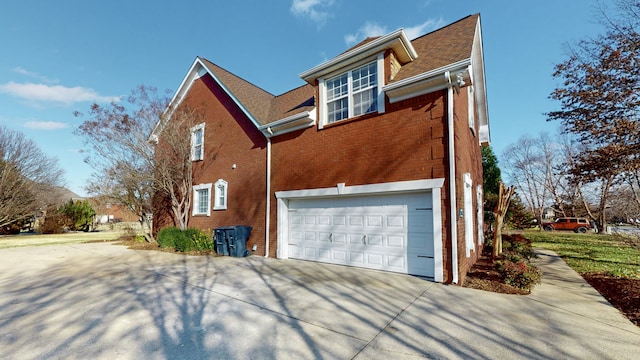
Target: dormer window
[(352, 93)]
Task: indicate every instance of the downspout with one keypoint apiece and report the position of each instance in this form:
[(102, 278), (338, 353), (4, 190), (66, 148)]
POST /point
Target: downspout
[(268, 212), (452, 182)]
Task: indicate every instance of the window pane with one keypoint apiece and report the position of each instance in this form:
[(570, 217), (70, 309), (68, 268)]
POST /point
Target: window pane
[(337, 87), (203, 200), (364, 77), (364, 102), (338, 110), (221, 195)]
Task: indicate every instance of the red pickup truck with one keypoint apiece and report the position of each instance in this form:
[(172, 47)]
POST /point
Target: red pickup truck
[(580, 225)]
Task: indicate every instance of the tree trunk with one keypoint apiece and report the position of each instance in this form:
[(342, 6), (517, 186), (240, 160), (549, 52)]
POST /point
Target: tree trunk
[(504, 197)]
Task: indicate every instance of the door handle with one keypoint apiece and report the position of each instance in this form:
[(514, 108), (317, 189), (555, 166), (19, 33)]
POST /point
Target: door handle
[(364, 239), (331, 237)]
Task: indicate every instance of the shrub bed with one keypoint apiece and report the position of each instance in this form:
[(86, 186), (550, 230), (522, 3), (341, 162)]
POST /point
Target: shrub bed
[(184, 240)]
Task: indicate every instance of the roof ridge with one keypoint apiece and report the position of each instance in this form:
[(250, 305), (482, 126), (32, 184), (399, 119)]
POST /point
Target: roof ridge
[(446, 26), (236, 76)]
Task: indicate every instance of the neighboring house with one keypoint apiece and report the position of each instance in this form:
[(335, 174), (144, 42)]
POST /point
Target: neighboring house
[(374, 162), (108, 211)]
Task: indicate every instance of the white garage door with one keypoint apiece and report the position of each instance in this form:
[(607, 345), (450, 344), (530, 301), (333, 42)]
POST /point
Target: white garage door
[(384, 232)]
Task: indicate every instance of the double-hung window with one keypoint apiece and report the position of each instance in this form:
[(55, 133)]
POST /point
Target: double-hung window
[(352, 93), (197, 142), (202, 199)]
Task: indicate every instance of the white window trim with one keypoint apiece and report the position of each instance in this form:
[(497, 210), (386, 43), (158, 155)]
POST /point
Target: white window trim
[(468, 213), (194, 156), (480, 214), (196, 199), (323, 89), (219, 186)]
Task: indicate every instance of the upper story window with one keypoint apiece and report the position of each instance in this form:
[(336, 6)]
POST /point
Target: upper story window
[(197, 142), (352, 93)]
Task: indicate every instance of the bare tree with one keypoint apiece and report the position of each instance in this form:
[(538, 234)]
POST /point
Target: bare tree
[(29, 179), (531, 165), (127, 168), (599, 96)]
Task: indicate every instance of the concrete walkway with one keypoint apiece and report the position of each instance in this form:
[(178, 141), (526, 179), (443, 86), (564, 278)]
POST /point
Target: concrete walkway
[(103, 301)]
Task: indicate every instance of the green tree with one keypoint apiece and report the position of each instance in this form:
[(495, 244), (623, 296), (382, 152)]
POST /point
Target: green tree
[(80, 215), (491, 174), (491, 177)]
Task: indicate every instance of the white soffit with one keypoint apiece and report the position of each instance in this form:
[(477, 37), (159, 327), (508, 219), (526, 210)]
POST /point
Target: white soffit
[(396, 40)]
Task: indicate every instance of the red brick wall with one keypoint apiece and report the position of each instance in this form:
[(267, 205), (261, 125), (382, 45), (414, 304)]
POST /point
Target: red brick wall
[(230, 138), (407, 142), (468, 160)]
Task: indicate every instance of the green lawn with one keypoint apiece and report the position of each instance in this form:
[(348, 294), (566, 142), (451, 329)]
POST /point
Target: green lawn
[(69, 238), (591, 252)]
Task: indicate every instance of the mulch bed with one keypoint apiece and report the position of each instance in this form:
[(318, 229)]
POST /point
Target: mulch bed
[(624, 294), (483, 276)]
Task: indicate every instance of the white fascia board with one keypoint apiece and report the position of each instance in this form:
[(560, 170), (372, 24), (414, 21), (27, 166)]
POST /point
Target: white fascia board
[(480, 85), (427, 82), (291, 123), (370, 189), (184, 87), (396, 40), (255, 122), (194, 73)]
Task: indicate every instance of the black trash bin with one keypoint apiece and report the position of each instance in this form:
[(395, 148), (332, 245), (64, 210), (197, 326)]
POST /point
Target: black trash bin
[(232, 240), (220, 241), (237, 239)]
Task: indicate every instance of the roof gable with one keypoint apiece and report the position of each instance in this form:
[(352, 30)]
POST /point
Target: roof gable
[(448, 45), (454, 50)]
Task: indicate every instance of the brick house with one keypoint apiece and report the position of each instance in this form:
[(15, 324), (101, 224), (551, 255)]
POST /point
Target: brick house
[(374, 162)]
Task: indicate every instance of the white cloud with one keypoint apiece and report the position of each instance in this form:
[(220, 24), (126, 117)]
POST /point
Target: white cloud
[(421, 29), (316, 10), (38, 93), (45, 125), (369, 29), (22, 71), (372, 29)]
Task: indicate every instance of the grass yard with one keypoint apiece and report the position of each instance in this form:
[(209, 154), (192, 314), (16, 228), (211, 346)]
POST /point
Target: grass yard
[(8, 241), (591, 253), (610, 263)]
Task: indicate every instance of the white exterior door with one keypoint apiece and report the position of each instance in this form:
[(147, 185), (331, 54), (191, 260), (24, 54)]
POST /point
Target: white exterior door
[(383, 232)]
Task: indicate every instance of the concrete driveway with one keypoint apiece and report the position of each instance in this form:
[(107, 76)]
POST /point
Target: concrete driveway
[(103, 301)]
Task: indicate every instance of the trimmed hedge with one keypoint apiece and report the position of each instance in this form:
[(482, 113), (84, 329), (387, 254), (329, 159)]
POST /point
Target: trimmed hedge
[(187, 240)]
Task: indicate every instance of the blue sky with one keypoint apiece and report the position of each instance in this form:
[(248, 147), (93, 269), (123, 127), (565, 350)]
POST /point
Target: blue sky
[(60, 56)]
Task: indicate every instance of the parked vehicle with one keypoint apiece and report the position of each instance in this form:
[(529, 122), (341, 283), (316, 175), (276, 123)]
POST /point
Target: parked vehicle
[(581, 225)]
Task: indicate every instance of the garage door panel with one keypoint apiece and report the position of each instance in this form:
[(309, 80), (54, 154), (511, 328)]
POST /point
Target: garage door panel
[(355, 221), (379, 232), (395, 221), (395, 241), (374, 240), (339, 255)]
